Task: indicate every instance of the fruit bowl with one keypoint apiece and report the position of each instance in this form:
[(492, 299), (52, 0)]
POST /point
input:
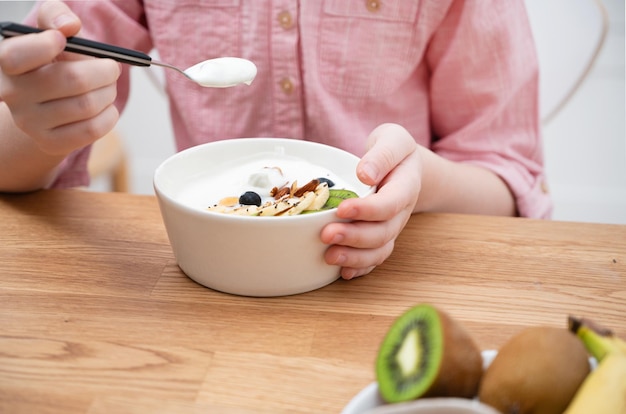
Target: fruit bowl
[(249, 255), (435, 406), (368, 399)]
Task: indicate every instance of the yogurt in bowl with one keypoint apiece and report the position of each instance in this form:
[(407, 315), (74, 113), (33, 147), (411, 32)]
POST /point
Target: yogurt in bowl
[(250, 255)]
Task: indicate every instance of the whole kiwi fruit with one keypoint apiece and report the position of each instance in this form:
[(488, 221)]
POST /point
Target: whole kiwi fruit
[(426, 353), (537, 371)]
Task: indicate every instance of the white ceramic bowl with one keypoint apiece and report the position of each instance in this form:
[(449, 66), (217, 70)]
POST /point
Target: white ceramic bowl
[(250, 256)]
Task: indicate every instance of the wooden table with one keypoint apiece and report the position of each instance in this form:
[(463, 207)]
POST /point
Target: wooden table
[(95, 316)]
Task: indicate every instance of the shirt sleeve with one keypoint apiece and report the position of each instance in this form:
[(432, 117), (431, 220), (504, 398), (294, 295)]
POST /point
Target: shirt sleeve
[(131, 32), (73, 170), (484, 97)]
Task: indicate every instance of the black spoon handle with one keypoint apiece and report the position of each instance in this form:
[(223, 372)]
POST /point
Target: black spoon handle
[(84, 46)]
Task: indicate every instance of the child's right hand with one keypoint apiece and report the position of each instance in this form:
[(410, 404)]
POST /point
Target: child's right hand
[(63, 101)]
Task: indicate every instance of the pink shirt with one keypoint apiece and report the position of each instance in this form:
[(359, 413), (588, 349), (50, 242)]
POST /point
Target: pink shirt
[(460, 76)]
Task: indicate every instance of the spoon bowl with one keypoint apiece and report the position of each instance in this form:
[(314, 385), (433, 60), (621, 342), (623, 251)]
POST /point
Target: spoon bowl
[(222, 72)]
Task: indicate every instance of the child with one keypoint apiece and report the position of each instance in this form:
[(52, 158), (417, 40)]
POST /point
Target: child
[(439, 98)]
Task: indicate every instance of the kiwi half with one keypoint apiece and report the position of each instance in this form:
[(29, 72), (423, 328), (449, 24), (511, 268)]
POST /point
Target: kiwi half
[(426, 353)]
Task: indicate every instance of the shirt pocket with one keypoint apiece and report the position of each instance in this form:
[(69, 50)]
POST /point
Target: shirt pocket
[(367, 47), (186, 32)]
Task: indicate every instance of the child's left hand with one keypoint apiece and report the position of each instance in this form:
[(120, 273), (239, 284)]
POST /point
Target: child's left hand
[(393, 164)]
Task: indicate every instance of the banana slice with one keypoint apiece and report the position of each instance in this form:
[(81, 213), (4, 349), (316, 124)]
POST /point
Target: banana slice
[(217, 208), (246, 211), (275, 209), (322, 193), (305, 201)]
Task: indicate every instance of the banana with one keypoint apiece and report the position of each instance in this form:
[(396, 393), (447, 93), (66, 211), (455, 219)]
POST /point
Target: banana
[(322, 192), (277, 208), (246, 211), (604, 389), (598, 340), (303, 204), (217, 208)]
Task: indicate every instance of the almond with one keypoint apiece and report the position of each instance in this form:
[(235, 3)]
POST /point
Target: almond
[(310, 186), (280, 193)]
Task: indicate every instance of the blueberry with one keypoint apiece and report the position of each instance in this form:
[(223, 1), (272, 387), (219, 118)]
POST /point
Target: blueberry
[(250, 198), (327, 181)]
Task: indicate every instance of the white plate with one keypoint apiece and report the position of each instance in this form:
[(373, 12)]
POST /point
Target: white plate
[(369, 397)]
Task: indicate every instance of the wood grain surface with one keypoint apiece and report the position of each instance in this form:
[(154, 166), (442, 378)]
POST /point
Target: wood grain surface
[(96, 317)]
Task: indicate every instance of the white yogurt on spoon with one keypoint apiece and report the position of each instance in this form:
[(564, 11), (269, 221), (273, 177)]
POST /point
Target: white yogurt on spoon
[(222, 72)]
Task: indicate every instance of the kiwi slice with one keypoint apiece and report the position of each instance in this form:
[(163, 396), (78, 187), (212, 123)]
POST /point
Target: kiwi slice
[(337, 196), (426, 353)]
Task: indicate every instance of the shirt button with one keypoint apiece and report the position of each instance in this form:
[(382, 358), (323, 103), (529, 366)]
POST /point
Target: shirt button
[(285, 20), (372, 5), (544, 187), (286, 85)]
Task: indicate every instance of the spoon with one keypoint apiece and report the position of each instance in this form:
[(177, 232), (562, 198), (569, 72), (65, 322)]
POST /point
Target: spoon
[(220, 72)]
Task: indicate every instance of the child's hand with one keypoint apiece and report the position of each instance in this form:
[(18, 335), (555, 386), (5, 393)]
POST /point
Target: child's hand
[(394, 165), (63, 101)]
